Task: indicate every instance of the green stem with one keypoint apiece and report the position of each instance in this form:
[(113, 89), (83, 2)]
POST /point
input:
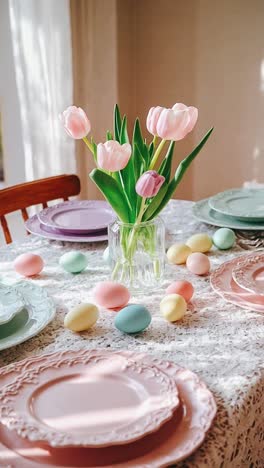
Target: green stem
[(155, 140), (88, 143), (156, 154)]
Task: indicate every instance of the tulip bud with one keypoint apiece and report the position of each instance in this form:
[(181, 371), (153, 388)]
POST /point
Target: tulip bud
[(75, 122), (149, 184), (111, 156)]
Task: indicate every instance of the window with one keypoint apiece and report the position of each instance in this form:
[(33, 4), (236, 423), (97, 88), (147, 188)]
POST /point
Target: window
[(1, 154)]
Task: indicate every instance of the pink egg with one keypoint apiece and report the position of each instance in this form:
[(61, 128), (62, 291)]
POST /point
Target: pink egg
[(28, 264), (198, 263), (111, 295), (183, 288)]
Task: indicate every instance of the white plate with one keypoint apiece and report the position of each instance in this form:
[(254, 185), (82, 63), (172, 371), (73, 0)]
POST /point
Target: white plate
[(11, 303), (38, 312), (203, 212), (244, 204), (34, 226)]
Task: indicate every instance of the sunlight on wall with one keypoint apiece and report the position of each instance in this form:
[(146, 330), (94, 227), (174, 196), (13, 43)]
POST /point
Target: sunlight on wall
[(42, 53)]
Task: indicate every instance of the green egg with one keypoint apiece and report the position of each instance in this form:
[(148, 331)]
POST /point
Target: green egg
[(224, 238), (133, 318), (74, 261)]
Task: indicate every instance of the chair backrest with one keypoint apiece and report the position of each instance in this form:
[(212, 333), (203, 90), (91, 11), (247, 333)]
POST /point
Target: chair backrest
[(22, 196)]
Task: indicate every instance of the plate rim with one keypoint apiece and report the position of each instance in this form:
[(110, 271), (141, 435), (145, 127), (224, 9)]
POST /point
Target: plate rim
[(229, 296), (162, 459), (220, 197), (61, 237), (17, 309), (43, 215), (30, 428), (245, 265), (50, 314), (196, 211)]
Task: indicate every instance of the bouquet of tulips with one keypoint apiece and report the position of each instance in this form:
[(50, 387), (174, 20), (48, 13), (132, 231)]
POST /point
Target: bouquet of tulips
[(133, 175)]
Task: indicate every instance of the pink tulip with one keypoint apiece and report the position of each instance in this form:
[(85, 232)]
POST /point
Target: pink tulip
[(149, 184), (112, 156), (172, 124), (75, 122), (152, 119)]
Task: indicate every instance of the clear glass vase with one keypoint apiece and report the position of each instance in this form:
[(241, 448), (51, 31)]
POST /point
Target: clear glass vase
[(137, 253)]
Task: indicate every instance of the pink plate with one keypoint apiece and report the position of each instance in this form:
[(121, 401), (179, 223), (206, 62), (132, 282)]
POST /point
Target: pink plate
[(249, 273), (34, 226), (173, 442), (223, 283), (108, 399), (78, 216)]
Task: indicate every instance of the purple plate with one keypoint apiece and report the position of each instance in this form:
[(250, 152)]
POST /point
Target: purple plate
[(34, 226), (77, 216)]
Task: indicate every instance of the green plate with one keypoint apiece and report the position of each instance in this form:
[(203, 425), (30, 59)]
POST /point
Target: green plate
[(38, 311), (203, 212), (244, 204)]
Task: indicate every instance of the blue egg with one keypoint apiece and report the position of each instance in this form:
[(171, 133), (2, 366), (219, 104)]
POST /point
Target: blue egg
[(74, 261), (133, 318), (224, 238)]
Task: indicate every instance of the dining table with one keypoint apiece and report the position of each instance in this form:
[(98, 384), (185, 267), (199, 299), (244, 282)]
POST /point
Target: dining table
[(221, 342)]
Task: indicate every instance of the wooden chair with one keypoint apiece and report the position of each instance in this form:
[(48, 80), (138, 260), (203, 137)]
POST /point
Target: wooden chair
[(22, 196)]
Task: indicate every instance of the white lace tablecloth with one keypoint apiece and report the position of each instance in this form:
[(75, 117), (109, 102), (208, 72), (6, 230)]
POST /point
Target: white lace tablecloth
[(222, 343)]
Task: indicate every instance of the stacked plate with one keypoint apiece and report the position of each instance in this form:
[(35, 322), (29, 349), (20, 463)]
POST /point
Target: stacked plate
[(237, 209), (102, 408), (73, 221), (25, 309), (241, 281)]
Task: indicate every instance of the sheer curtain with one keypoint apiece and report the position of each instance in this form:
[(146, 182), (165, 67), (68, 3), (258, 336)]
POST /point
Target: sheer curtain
[(41, 40)]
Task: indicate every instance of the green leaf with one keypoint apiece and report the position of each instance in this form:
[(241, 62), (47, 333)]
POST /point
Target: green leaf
[(151, 149), (155, 202), (112, 192), (139, 162), (165, 167), (137, 137), (181, 169), (94, 145), (109, 135), (123, 132), (117, 123)]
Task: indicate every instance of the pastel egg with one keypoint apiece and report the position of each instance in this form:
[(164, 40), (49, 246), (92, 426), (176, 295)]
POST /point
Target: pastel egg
[(200, 243), (133, 319), (173, 307), (82, 317), (111, 295), (106, 256), (74, 261), (178, 253), (183, 288), (198, 263), (28, 264), (224, 238)]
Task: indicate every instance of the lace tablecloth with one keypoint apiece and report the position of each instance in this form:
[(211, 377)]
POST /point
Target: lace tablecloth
[(222, 343)]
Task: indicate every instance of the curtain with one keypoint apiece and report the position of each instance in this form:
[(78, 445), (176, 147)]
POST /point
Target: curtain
[(41, 40)]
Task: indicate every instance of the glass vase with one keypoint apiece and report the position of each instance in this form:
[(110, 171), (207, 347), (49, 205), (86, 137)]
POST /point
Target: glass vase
[(137, 253)]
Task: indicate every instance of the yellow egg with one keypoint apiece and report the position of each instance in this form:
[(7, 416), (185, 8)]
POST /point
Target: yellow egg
[(178, 253), (173, 307), (82, 317), (200, 243)]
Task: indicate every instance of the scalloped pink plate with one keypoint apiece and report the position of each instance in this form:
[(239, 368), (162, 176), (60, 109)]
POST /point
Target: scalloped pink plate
[(249, 273), (223, 284), (173, 442), (108, 399)]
